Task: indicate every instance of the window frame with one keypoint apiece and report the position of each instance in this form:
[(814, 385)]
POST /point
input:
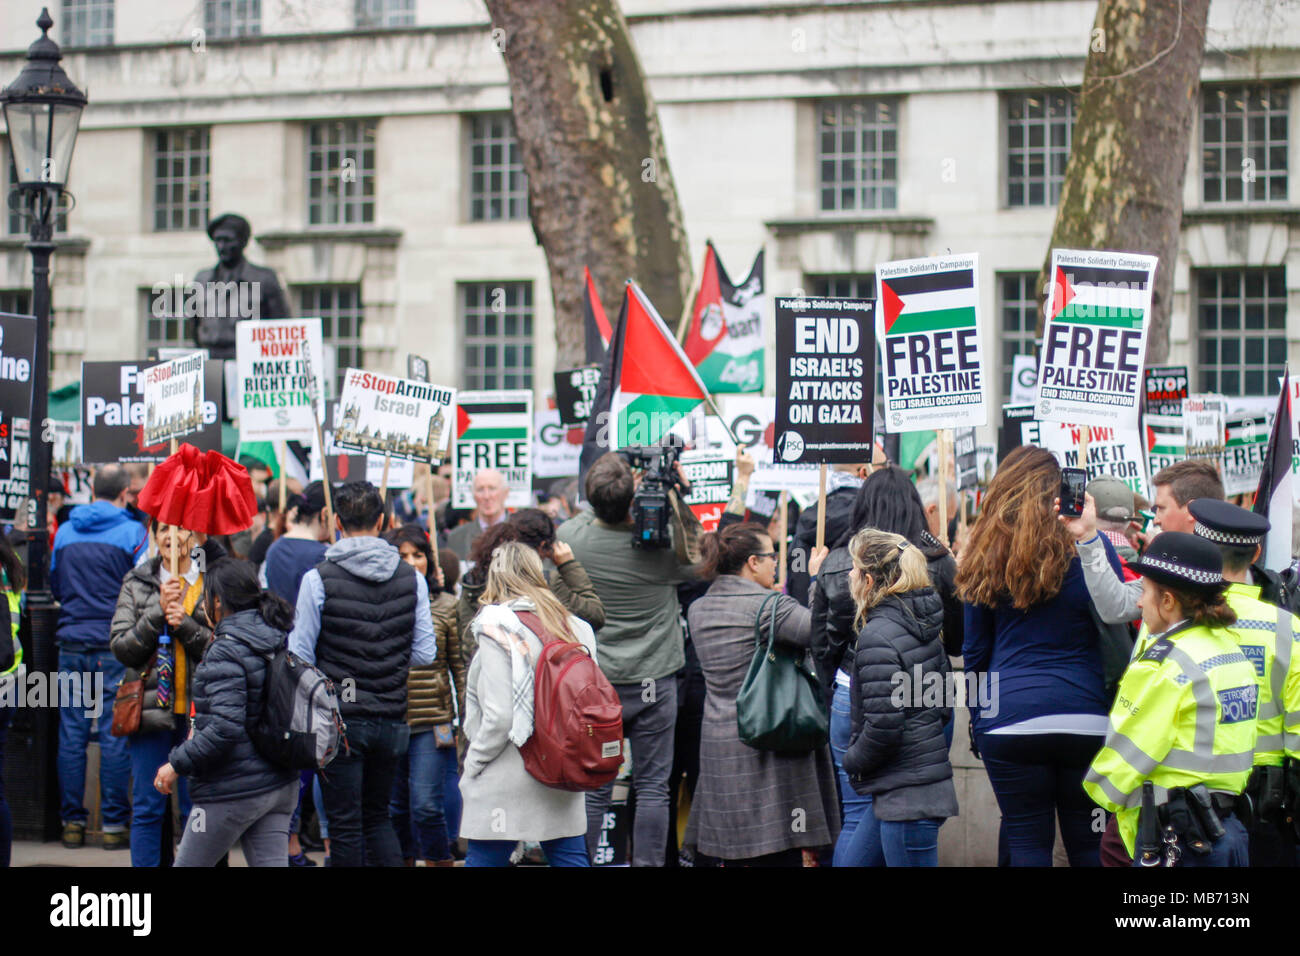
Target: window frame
[(1050, 183), (78, 14), (352, 345), (342, 200), (1273, 331), (506, 196), (203, 209), (475, 374), (1224, 173), (885, 188)]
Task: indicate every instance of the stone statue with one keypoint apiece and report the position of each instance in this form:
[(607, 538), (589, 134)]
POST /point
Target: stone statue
[(233, 289)]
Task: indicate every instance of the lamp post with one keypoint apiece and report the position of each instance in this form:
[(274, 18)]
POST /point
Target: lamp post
[(42, 109)]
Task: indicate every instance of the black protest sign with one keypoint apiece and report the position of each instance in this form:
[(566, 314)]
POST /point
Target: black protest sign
[(16, 488), (575, 390), (711, 477), (966, 457), (17, 362), (1166, 387), (112, 413), (1018, 428), (825, 378)]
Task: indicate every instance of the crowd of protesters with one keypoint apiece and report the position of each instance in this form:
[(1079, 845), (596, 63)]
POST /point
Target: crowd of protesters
[(1070, 634)]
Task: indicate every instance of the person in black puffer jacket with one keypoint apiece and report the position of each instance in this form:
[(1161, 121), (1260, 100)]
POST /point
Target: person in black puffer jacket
[(238, 794), (897, 756)]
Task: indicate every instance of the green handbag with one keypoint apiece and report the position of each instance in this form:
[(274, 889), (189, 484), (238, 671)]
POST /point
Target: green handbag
[(779, 706)]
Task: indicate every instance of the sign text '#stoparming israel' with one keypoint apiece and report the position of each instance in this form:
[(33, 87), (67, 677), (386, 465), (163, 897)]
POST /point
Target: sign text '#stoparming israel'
[(1094, 340)]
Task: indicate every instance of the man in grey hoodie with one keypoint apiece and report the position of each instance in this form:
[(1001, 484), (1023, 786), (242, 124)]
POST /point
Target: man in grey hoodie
[(363, 619)]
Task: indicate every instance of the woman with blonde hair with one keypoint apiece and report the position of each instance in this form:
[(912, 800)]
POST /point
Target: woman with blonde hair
[(503, 802), (1034, 646), (897, 757)]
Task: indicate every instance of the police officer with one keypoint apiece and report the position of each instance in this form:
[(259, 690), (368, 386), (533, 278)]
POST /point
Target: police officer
[(1182, 732), (1266, 635)]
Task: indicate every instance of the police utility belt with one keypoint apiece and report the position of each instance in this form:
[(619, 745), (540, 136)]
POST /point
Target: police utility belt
[(1191, 820)]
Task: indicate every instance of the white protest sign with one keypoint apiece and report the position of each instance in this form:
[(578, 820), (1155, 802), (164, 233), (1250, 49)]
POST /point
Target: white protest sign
[(65, 438), (386, 415), (1024, 379), (752, 419), (1166, 441), (401, 471), (173, 399), (928, 329), (554, 455), (277, 381), (1112, 452), (1247, 425), (494, 430), (1204, 420), (1095, 337)]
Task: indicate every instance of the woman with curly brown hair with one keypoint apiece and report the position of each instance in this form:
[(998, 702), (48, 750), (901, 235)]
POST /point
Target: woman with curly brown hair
[(1031, 639)]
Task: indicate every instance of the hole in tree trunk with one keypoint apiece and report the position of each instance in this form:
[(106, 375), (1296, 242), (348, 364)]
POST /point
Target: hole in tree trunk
[(607, 85)]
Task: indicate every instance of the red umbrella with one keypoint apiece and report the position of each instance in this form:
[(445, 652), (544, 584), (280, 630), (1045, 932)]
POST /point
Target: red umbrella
[(200, 491)]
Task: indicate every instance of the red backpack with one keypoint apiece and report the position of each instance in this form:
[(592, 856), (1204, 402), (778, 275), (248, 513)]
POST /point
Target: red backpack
[(577, 741)]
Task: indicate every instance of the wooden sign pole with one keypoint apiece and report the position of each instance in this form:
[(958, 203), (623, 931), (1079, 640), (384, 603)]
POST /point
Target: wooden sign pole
[(944, 436), (821, 507), (785, 538)]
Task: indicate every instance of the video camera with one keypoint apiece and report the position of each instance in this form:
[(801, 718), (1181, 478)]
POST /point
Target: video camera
[(651, 511)]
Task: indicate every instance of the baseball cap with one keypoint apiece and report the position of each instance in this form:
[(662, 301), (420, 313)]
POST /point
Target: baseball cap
[(1114, 499)]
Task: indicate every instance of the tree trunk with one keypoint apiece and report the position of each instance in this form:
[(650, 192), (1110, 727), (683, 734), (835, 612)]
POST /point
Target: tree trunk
[(599, 189), (1123, 189)]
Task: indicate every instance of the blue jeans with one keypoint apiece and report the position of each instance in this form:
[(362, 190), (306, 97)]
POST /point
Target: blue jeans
[(1232, 849), (357, 786), (319, 799), (149, 752), (890, 842), (451, 802), (416, 807), (852, 805), (6, 819), (566, 851), (74, 735)]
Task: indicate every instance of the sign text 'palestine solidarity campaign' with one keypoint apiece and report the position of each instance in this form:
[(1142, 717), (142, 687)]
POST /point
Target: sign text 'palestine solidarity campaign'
[(1094, 341), (825, 350), (494, 430), (930, 343), (280, 381)]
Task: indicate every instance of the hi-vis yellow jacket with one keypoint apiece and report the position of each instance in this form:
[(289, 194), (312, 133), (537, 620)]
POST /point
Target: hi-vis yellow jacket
[(1267, 636), (1185, 713), (15, 609)]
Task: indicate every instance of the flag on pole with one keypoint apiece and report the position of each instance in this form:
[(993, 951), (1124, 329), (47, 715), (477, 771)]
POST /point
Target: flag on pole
[(725, 338), (594, 322), (647, 384), (1273, 499)]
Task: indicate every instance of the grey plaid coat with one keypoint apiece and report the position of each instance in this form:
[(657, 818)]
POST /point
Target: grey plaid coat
[(751, 802)]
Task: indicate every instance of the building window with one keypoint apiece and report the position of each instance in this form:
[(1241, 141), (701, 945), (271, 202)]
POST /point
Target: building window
[(498, 187), (163, 326), (16, 301), (497, 320), (341, 172), (1242, 326), (180, 179), (1018, 317), (232, 18), (1039, 127), (87, 23), (858, 154), (1244, 143), (385, 13), (16, 223), (341, 316)]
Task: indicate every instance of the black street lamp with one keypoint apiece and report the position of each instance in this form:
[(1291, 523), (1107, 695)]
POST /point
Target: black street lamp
[(42, 110)]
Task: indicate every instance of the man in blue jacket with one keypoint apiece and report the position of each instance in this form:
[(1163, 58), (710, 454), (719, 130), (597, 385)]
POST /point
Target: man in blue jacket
[(93, 551)]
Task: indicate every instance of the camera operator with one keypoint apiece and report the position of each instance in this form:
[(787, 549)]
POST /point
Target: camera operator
[(640, 645)]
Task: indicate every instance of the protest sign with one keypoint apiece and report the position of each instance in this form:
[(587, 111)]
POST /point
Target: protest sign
[(556, 449), (575, 390), (825, 352), (173, 399), (1112, 452), (399, 417), (16, 488), (1247, 425), (493, 430), (751, 419), (345, 466), (1094, 340), (280, 362), (1024, 379), (1165, 440), (966, 457), (1165, 387), (711, 476), (928, 329), (65, 441), (1204, 421), (113, 413), (417, 369), (1019, 427), (17, 361)]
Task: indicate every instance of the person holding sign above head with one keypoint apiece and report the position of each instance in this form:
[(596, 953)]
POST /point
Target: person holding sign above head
[(1181, 736), (490, 494)]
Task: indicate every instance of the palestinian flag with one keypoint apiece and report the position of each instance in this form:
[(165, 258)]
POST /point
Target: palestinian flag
[(1273, 498), (1111, 297), (725, 338), (491, 416), (594, 323), (930, 302), (647, 384)]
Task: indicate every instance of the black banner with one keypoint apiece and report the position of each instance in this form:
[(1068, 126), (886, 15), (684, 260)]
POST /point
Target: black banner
[(825, 380), (1166, 387), (112, 413), (963, 449), (1012, 434), (575, 390), (17, 362)]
